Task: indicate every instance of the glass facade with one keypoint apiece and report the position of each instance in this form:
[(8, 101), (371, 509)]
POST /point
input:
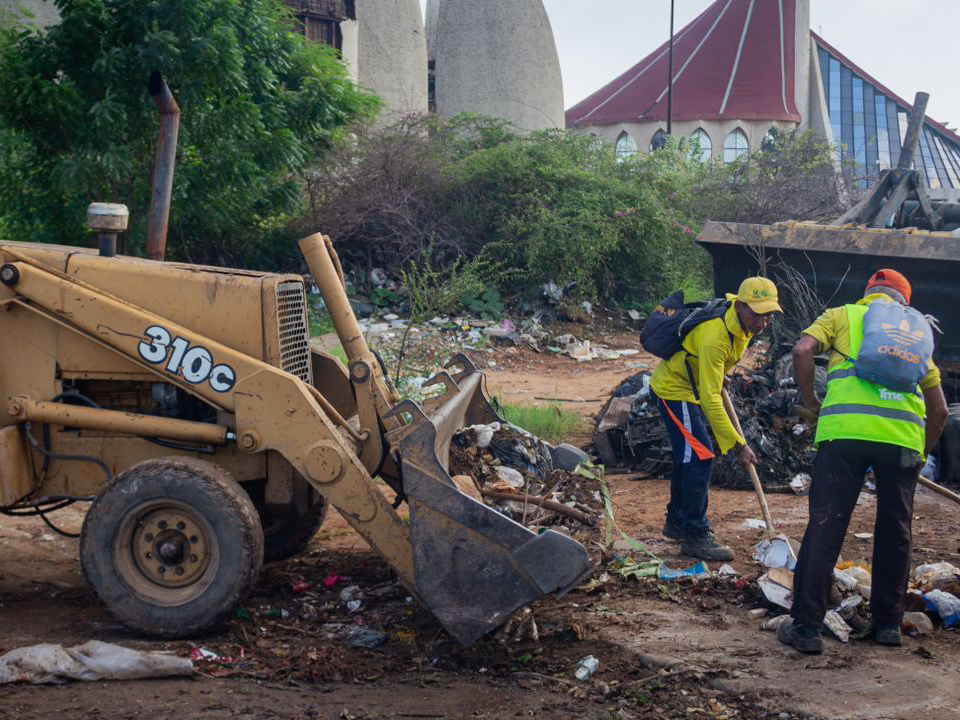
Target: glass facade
[(869, 128)]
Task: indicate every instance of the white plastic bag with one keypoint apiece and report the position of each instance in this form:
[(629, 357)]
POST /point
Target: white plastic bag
[(946, 604), (95, 660)]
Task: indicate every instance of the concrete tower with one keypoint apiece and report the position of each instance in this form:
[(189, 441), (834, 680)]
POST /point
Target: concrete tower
[(433, 15), (498, 58), (392, 54)]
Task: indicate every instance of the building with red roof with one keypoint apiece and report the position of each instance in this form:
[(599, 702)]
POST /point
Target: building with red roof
[(744, 66)]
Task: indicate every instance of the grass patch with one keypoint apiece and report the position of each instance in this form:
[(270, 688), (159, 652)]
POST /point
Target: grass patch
[(548, 422)]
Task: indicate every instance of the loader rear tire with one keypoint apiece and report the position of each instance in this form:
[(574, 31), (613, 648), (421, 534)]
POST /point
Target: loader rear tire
[(172, 546)]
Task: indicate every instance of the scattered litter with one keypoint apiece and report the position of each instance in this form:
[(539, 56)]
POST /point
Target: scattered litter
[(300, 587), (938, 576), (757, 613), (367, 639), (509, 479), (200, 653), (774, 623), (917, 623), (863, 535), (633, 315), (800, 483), (353, 605), (845, 581), (727, 569), (837, 626), (350, 593), (775, 591), (753, 524), (94, 660), (945, 604), (331, 580), (586, 667), (775, 553), (694, 571)]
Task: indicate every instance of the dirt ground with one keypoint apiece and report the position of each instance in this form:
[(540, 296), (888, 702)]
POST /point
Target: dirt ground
[(664, 650)]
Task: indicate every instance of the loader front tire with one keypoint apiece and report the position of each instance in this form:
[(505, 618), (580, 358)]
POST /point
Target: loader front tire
[(171, 546)]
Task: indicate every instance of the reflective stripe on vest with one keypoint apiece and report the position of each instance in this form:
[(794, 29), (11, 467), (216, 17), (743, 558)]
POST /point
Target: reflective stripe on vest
[(855, 409)]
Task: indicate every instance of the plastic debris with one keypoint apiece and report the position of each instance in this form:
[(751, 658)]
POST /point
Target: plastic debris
[(354, 605), (863, 535), (753, 524), (727, 569), (485, 433), (199, 653), (633, 315), (757, 613), (512, 479), (694, 571), (94, 660), (349, 593), (938, 576), (330, 580), (945, 604), (917, 623), (800, 484), (368, 639), (301, 587), (586, 667), (243, 614), (774, 623), (775, 552)]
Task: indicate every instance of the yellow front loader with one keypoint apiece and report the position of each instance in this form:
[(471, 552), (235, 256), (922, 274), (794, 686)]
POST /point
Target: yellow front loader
[(189, 402)]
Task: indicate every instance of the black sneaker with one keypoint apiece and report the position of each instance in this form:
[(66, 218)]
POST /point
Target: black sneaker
[(802, 637), (888, 634), (706, 547), (672, 531)]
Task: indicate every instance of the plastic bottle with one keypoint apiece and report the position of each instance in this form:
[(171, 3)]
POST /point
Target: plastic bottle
[(586, 667)]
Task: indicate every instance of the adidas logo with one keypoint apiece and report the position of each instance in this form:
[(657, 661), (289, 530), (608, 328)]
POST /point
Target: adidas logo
[(900, 352), (902, 333)]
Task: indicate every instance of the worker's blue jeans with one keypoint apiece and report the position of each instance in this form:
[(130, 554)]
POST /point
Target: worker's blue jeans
[(692, 462)]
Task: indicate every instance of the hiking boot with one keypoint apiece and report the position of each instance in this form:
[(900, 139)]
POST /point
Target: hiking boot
[(706, 547), (802, 637), (672, 531), (888, 634)]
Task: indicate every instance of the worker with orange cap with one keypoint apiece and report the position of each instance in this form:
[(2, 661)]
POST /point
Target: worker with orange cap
[(884, 408)]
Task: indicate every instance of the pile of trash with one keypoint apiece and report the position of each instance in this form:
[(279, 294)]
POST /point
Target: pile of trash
[(629, 435), (932, 594), (528, 480)]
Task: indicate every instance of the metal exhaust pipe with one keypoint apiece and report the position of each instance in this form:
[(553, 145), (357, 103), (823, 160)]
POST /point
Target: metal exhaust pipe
[(163, 166), (107, 220)]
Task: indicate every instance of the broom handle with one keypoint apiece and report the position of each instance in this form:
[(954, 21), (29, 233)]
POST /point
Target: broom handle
[(757, 487)]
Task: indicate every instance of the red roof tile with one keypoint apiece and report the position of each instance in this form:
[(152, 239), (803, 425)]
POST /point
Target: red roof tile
[(734, 61)]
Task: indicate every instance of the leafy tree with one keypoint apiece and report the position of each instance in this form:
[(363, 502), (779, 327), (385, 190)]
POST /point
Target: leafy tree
[(259, 105)]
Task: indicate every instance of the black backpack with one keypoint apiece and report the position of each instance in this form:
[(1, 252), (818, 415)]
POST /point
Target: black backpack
[(670, 322)]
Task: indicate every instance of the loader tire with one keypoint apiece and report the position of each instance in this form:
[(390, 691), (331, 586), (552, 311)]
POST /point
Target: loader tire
[(287, 536), (172, 546)]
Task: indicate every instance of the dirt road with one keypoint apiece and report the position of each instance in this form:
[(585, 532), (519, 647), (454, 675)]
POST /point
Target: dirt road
[(288, 655)]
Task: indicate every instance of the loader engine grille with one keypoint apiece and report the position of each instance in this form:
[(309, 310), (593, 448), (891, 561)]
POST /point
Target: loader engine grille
[(293, 330)]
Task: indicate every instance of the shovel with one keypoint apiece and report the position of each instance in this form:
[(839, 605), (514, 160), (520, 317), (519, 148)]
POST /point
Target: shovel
[(758, 488)]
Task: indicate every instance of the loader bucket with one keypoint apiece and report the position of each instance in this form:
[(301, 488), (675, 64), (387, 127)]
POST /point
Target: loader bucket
[(473, 567)]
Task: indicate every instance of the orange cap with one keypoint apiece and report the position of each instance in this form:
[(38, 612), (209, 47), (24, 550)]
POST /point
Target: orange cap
[(891, 279)]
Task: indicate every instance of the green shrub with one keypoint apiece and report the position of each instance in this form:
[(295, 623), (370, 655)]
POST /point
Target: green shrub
[(548, 422)]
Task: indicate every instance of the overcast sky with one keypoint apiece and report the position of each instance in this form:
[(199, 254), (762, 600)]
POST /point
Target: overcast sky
[(908, 45)]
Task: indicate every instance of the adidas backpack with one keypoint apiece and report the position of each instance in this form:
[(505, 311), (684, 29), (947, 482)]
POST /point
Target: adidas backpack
[(896, 348)]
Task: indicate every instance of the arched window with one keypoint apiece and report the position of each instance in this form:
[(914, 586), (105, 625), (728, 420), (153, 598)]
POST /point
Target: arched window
[(659, 140), (626, 146), (736, 146), (700, 146)]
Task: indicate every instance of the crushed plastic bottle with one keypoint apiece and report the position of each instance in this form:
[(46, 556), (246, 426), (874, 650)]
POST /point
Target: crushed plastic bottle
[(586, 667)]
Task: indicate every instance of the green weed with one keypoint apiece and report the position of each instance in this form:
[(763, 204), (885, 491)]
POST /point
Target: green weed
[(548, 422)]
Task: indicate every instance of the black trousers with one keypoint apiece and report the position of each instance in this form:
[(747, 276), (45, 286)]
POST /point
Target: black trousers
[(837, 478)]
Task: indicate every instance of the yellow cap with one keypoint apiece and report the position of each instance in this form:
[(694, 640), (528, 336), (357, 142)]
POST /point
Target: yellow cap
[(760, 294)]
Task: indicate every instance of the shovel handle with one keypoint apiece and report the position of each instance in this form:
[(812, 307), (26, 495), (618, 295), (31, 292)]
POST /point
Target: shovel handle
[(751, 470), (926, 482)]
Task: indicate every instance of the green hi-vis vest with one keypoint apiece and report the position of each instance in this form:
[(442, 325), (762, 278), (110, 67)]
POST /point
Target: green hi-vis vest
[(855, 409)]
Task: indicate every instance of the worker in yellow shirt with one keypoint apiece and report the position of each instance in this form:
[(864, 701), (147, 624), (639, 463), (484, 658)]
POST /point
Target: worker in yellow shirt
[(866, 420), (687, 391)]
